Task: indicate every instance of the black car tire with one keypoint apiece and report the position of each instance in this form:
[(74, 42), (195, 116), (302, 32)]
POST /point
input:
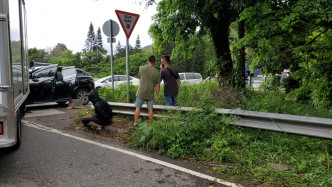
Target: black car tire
[(82, 94)]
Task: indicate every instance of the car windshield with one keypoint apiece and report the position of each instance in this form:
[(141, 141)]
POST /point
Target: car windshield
[(182, 76), (189, 76), (49, 72), (68, 72), (109, 79), (197, 76), (81, 73)]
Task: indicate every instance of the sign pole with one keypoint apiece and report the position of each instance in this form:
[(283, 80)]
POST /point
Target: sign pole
[(111, 29), (127, 64), (111, 43), (128, 21)]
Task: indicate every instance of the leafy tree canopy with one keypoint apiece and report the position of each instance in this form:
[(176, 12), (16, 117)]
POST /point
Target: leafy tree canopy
[(295, 35), (37, 55), (58, 49), (177, 22)]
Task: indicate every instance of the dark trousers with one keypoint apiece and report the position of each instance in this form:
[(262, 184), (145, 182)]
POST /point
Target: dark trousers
[(85, 121)]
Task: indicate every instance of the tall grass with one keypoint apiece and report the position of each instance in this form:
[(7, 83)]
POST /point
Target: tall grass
[(205, 136), (200, 95), (209, 138)]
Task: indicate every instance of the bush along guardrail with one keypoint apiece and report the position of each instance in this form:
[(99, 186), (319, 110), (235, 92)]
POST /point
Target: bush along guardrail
[(303, 125)]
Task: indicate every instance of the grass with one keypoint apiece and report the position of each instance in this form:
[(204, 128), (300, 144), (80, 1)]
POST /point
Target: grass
[(306, 161), (256, 154)]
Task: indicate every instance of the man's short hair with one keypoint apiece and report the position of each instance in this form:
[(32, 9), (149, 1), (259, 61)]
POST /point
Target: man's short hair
[(152, 59), (166, 58)]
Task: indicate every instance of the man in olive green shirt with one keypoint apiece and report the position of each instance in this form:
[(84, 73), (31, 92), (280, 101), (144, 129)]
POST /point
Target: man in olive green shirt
[(149, 79)]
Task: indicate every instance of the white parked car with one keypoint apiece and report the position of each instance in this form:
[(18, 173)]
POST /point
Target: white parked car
[(118, 79), (191, 78), (211, 79)]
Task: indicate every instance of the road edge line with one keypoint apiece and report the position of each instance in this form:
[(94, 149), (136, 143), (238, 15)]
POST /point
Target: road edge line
[(160, 162)]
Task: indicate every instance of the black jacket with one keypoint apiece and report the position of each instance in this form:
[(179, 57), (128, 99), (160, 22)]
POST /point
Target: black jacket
[(103, 110)]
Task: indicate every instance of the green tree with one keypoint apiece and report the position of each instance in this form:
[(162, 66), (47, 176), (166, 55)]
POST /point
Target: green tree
[(293, 35), (58, 49), (90, 41), (194, 56), (136, 60), (66, 58), (120, 51), (176, 21), (99, 43), (137, 47), (37, 55), (91, 60)]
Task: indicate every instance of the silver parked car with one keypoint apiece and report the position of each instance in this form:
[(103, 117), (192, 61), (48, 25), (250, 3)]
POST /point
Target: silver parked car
[(191, 78), (211, 79), (118, 79)]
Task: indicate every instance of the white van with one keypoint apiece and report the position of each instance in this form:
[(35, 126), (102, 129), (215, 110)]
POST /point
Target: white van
[(14, 71), (191, 78)]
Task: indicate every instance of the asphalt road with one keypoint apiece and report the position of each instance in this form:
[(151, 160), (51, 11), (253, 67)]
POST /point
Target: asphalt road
[(53, 155)]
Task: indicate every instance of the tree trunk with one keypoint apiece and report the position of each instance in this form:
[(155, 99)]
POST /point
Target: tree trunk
[(219, 33), (242, 59)]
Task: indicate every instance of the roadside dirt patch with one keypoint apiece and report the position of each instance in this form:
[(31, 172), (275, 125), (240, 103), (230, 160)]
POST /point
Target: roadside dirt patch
[(119, 130)]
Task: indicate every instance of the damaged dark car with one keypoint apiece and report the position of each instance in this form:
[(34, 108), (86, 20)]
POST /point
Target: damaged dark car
[(59, 84)]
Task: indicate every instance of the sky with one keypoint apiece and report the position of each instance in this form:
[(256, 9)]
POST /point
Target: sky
[(67, 21)]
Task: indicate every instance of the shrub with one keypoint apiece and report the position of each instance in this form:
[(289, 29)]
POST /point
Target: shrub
[(119, 94), (179, 136)]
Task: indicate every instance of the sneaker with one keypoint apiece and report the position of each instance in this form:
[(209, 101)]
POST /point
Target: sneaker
[(99, 128), (135, 126)]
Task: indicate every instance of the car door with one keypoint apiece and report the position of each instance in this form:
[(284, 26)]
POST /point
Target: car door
[(122, 79), (84, 80), (182, 78), (42, 84), (190, 78), (197, 78), (108, 81), (117, 81), (69, 77)]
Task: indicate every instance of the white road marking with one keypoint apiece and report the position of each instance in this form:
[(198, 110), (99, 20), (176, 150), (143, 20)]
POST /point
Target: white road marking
[(179, 168), (43, 112)]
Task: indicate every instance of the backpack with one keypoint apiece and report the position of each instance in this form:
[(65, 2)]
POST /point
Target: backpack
[(172, 73), (110, 113)]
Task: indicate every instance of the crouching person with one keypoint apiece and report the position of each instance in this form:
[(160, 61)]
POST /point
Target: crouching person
[(103, 112)]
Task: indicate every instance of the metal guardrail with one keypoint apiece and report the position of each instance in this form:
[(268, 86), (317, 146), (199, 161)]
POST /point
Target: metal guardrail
[(302, 125)]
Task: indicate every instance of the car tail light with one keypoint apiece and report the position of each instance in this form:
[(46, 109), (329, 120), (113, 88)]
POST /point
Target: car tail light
[(1, 128), (92, 81)]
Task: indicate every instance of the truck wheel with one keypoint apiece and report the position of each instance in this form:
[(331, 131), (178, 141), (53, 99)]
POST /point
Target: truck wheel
[(19, 131), (82, 94)]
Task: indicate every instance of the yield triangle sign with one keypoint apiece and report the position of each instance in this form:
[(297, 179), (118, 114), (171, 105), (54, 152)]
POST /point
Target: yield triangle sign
[(127, 20)]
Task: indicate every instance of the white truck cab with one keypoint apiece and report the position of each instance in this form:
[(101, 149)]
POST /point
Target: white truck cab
[(14, 71)]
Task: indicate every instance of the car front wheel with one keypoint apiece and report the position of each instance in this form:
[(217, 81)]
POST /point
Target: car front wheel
[(82, 94)]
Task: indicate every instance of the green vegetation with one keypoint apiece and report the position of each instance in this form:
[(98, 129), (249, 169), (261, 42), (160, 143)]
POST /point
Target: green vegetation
[(209, 94), (271, 35), (235, 152), (253, 154), (119, 94), (215, 37), (220, 37)]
